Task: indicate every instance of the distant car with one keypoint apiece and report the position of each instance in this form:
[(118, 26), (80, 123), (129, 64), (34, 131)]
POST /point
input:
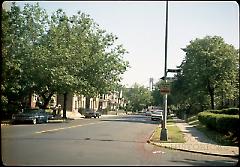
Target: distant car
[(91, 113), (148, 113), (31, 115), (157, 115)]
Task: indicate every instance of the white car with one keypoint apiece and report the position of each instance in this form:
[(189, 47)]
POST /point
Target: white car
[(157, 115), (148, 113)]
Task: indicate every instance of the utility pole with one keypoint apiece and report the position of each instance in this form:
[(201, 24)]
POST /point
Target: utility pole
[(164, 132)]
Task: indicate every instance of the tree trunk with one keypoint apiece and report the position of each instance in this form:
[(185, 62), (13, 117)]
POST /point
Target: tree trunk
[(46, 99), (87, 102), (222, 102), (29, 103), (212, 100), (65, 106), (211, 93)]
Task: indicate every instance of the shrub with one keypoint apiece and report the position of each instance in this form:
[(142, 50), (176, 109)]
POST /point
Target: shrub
[(227, 123), (223, 123), (81, 110), (208, 119), (229, 111)]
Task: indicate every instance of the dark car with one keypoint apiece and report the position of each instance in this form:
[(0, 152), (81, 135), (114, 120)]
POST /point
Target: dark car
[(31, 115), (91, 113)]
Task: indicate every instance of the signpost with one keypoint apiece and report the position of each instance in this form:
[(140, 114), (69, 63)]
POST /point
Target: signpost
[(164, 131)]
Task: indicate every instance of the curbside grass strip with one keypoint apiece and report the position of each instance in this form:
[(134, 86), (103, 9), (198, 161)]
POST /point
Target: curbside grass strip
[(171, 147)]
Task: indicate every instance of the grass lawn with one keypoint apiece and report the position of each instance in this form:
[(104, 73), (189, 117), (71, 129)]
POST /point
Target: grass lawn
[(211, 134), (174, 133)]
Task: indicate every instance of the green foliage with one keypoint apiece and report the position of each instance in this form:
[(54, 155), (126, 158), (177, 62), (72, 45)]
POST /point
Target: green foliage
[(207, 118), (220, 138), (211, 67), (57, 54), (227, 123), (81, 111), (229, 111), (223, 123), (157, 97), (138, 97), (209, 76)]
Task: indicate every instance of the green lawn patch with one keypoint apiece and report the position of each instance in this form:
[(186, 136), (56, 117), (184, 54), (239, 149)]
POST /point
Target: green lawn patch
[(219, 138), (174, 134)]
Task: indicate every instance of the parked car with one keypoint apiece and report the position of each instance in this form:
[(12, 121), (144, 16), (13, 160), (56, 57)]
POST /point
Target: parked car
[(31, 115), (91, 113), (148, 113), (157, 115)]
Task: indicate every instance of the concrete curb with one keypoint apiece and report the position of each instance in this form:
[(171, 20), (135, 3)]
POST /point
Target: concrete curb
[(192, 151)]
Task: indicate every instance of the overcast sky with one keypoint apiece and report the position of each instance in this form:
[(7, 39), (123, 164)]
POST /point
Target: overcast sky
[(140, 27)]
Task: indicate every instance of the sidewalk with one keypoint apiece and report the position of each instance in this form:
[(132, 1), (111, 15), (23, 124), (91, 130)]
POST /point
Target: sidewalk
[(197, 142)]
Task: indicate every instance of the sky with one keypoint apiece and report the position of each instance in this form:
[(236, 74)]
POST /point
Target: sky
[(140, 27)]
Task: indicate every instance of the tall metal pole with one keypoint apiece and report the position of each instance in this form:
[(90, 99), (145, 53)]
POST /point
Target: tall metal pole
[(164, 132)]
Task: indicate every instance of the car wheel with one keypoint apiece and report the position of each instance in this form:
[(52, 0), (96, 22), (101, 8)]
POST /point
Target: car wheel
[(34, 121)]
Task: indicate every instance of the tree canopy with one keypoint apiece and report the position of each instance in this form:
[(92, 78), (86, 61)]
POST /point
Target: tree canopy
[(209, 75), (57, 54), (138, 97)]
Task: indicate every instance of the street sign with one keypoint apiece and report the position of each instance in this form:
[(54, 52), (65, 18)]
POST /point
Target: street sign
[(165, 88), (165, 91)]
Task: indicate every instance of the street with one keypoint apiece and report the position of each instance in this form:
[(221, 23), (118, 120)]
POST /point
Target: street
[(117, 140)]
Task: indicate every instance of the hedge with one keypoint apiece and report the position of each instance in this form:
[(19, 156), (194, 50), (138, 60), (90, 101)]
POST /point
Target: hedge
[(222, 123), (227, 123), (229, 111), (208, 119)]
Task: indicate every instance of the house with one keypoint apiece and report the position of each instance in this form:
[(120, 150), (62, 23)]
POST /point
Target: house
[(76, 102), (112, 100)]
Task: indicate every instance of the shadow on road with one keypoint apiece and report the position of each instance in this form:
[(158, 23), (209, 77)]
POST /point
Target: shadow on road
[(88, 139)]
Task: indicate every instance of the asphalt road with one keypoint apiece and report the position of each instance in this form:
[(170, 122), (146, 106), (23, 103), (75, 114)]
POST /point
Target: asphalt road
[(120, 140)]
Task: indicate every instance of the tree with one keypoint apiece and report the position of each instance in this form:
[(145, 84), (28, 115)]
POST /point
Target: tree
[(138, 97), (21, 31), (57, 54), (157, 96), (210, 68)]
